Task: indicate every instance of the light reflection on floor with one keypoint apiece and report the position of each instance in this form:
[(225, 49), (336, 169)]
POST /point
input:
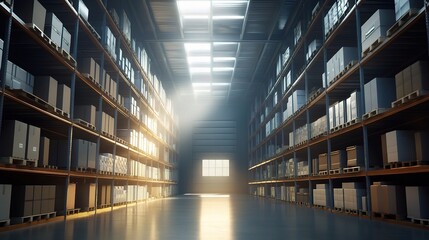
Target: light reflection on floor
[(215, 217), (220, 217)]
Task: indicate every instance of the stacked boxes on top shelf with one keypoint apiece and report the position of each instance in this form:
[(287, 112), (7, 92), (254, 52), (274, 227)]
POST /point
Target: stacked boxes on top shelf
[(404, 6), (337, 11)]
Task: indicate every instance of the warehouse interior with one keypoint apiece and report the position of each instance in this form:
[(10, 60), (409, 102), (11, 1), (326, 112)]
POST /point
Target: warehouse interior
[(214, 119)]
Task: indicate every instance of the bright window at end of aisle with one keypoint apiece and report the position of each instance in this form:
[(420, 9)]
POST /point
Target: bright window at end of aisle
[(215, 168)]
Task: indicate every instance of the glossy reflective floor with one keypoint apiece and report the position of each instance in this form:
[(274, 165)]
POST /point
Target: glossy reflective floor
[(220, 217)]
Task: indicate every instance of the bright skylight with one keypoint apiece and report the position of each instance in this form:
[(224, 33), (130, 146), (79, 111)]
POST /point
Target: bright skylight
[(223, 59), (222, 69), (228, 17), (197, 16)]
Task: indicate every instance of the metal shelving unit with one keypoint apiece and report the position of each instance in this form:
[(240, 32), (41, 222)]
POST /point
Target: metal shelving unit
[(29, 48), (405, 43)]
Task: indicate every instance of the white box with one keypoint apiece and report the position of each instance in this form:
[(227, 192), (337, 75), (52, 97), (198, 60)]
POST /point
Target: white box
[(376, 26), (338, 198)]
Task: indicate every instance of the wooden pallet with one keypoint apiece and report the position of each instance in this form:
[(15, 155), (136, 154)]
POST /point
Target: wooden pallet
[(339, 127), (88, 209), (105, 173), (404, 19), (336, 209), (48, 166), (68, 57), (351, 169), (315, 94), (62, 113), (72, 211), (120, 140), (95, 33), (33, 218), (84, 123), (107, 134), (335, 171), (351, 211), (387, 216), (5, 222), (409, 97), (405, 164), (35, 99), (103, 206), (420, 221), (320, 206), (352, 122), (373, 113), (373, 46), (18, 161), (302, 176), (323, 173), (363, 213)]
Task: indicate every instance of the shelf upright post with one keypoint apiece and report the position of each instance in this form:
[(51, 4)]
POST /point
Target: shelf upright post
[(5, 56), (361, 110), (328, 141)]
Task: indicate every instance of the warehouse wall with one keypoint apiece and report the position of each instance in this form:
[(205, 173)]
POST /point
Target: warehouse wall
[(212, 131)]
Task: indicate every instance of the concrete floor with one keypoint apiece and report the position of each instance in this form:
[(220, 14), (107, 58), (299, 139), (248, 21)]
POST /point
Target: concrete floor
[(220, 217)]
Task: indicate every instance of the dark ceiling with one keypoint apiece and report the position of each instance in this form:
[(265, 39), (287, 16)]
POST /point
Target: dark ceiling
[(253, 41)]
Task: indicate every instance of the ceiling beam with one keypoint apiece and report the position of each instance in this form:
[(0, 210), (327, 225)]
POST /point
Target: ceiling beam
[(237, 54), (148, 12), (273, 25)]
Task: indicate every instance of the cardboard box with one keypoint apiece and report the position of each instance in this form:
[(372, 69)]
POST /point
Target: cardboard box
[(344, 56), (45, 87), (5, 201), (60, 197), (92, 154), (417, 199), (339, 198), (63, 98), (86, 113), (392, 200), (85, 196), (375, 198), (323, 162), (79, 154), (22, 200), (376, 26), (66, 40), (83, 10), (419, 76), (355, 156), (88, 66), (403, 6), (1, 52), (33, 143), (31, 12), (422, 140), (338, 159), (13, 139), (125, 25), (400, 146), (54, 28), (379, 94), (353, 198)]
